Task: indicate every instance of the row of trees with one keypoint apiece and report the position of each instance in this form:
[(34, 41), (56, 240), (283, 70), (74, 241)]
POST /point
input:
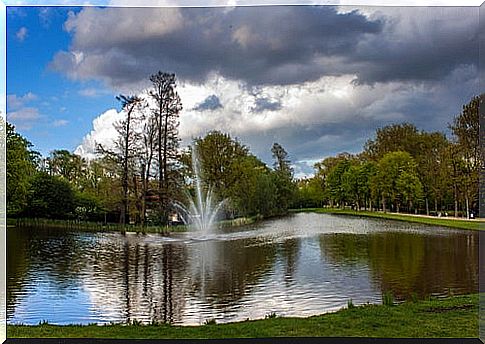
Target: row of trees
[(144, 172), (403, 168)]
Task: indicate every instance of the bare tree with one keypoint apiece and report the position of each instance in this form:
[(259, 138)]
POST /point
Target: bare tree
[(126, 147), (166, 111)]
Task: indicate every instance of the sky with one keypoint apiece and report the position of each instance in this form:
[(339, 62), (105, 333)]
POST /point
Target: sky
[(318, 80)]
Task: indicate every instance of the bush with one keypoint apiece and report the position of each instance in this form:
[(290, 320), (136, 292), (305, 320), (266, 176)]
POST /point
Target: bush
[(50, 197)]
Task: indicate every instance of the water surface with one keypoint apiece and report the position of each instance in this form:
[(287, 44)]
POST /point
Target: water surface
[(300, 265)]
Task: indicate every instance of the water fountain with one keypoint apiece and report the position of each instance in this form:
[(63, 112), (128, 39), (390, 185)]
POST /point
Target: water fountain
[(200, 213)]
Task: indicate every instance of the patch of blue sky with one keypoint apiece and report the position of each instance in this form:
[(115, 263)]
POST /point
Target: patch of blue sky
[(63, 108)]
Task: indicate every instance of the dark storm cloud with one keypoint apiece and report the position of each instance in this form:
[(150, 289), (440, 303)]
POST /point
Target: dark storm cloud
[(269, 45), (261, 45), (265, 104), (210, 103)]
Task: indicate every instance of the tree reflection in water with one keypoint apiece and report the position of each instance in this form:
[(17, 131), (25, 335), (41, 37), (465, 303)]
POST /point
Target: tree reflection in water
[(297, 266), (410, 263)]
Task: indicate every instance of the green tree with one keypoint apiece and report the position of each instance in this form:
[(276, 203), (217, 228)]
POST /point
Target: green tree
[(466, 155), (335, 186), (50, 197), (20, 169), (220, 155), (396, 137), (356, 183), (394, 169), (310, 193), (254, 192), (432, 167), (67, 165), (283, 178), (409, 188), (325, 169)]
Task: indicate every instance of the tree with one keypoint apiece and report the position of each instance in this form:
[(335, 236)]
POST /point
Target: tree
[(409, 188), (20, 169), (310, 193), (396, 137), (50, 197), (254, 192), (334, 183), (126, 147), (219, 155), (67, 165), (356, 183), (466, 154), (432, 167), (145, 161), (286, 188), (330, 181), (166, 111), (395, 169)]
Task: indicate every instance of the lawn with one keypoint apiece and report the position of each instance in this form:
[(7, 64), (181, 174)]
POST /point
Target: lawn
[(455, 316), (426, 220)]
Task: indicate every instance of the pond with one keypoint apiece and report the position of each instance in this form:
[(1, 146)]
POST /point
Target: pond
[(301, 265)]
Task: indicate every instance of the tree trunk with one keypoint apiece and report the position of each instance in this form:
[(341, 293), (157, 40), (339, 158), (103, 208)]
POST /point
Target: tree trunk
[(138, 201), (455, 194), (467, 203), (143, 196), (427, 206), (160, 167), (165, 169), (124, 210)]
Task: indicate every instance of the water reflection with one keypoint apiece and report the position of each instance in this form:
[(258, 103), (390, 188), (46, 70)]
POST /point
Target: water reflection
[(410, 263), (296, 266)]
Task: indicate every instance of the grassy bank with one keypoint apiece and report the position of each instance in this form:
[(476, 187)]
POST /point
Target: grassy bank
[(451, 317), (427, 220), (100, 227)]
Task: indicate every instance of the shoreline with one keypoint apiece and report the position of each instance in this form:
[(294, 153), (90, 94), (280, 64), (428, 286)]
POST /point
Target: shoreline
[(453, 316), (114, 227), (452, 222)]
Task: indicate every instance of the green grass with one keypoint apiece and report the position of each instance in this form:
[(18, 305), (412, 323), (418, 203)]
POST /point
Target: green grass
[(438, 221), (455, 316), (99, 227)]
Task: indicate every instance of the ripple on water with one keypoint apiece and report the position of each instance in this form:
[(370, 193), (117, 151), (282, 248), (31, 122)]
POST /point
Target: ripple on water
[(302, 265)]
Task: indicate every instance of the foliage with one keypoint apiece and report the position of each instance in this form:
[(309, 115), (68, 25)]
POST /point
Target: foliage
[(392, 138), (400, 169), (50, 197), (283, 179), (67, 165), (88, 207), (466, 157), (396, 179), (250, 187), (309, 194), (20, 168)]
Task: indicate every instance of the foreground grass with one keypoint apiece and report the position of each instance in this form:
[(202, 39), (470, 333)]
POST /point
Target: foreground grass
[(435, 221), (451, 317)]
